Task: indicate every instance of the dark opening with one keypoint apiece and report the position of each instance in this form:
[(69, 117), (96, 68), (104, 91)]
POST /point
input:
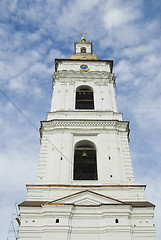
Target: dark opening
[(57, 220), (83, 50), (116, 220), (85, 164), (84, 98)]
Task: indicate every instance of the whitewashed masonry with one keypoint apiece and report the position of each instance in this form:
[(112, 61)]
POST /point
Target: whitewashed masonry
[(85, 187)]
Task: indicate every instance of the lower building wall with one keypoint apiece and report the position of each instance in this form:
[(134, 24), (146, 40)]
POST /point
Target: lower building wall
[(86, 223)]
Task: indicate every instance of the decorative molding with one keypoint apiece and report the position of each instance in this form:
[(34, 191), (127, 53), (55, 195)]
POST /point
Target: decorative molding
[(85, 123), (89, 75), (85, 186), (101, 83), (65, 81)]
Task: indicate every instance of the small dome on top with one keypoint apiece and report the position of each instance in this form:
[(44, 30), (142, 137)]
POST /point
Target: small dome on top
[(84, 50), (83, 39)]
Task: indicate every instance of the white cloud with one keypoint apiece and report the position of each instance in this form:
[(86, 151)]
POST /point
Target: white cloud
[(54, 53), (17, 84), (124, 71), (119, 12)]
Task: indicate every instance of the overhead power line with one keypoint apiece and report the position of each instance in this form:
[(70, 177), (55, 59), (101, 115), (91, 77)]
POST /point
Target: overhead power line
[(19, 110), (33, 125)]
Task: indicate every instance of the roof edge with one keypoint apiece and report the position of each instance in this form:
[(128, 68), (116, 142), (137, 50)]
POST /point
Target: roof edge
[(42, 203), (84, 186)]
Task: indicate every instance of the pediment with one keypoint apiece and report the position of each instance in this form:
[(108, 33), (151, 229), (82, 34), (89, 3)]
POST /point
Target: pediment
[(85, 198)]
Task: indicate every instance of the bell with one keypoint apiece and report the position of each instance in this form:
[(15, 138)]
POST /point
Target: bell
[(84, 155)]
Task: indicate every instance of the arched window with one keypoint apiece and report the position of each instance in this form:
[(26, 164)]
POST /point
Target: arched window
[(84, 98), (85, 163), (83, 50)]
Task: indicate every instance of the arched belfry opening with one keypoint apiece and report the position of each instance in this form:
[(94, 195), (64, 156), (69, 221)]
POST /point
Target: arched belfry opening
[(85, 162), (83, 50), (84, 98)]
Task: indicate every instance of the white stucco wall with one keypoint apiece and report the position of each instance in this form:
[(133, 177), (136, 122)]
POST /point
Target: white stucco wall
[(86, 209)]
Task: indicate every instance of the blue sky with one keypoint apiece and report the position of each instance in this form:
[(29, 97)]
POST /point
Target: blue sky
[(34, 33)]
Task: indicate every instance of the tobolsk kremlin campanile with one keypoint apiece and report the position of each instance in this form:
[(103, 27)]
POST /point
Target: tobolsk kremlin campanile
[(85, 188)]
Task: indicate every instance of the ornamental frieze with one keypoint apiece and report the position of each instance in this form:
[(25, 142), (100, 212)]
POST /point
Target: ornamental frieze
[(87, 123), (69, 81), (101, 83), (90, 74)]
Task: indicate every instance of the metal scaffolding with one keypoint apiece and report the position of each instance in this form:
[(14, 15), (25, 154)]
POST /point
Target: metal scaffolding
[(14, 224)]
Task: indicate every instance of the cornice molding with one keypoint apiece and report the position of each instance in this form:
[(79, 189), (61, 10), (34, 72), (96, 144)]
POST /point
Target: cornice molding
[(90, 75), (115, 124), (84, 186)]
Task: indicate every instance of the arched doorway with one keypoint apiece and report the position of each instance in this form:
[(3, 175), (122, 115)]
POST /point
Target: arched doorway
[(85, 162)]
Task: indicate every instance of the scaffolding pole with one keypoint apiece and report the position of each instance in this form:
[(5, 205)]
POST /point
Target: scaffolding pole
[(14, 224)]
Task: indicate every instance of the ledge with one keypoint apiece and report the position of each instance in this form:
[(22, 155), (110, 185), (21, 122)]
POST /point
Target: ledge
[(85, 186), (40, 203)]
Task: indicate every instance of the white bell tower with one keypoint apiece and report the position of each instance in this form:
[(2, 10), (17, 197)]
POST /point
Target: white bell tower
[(85, 187)]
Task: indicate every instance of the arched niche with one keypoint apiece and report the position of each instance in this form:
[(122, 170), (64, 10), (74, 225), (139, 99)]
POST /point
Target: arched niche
[(85, 161), (84, 98)]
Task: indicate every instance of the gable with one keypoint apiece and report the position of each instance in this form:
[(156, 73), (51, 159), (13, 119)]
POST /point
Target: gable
[(85, 198)]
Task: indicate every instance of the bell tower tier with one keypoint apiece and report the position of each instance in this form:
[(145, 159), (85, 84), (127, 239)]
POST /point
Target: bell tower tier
[(85, 186), (84, 110)]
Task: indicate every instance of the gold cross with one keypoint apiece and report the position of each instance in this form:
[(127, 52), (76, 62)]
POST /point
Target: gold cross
[(83, 33), (83, 37)]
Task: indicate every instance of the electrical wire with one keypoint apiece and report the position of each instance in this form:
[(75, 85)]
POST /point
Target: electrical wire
[(34, 125), (19, 110)]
